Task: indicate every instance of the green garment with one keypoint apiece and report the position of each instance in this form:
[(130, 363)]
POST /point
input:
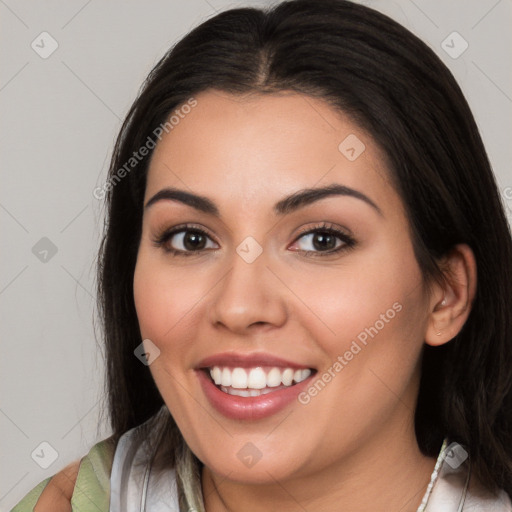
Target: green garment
[(92, 487)]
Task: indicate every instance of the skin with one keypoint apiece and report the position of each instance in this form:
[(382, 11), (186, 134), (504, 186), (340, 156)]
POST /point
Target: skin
[(352, 447), (56, 496)]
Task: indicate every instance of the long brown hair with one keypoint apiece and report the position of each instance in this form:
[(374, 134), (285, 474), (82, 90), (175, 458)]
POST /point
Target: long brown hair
[(394, 86)]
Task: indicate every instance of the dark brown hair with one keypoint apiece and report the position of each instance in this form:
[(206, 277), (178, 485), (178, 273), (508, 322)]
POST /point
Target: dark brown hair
[(395, 87)]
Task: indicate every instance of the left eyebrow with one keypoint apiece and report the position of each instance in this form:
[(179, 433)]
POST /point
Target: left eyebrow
[(307, 196), (285, 206)]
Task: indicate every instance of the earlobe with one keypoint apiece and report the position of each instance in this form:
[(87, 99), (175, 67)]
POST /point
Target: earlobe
[(451, 304)]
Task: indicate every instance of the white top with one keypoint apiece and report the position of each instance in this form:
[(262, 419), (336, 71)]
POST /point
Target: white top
[(136, 488)]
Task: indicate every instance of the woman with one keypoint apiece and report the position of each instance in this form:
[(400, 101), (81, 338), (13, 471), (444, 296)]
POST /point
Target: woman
[(305, 280)]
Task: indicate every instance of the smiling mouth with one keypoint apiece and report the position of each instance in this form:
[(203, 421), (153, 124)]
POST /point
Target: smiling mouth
[(260, 380)]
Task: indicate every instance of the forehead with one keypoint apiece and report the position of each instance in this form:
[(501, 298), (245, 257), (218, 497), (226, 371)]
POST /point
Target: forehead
[(254, 148)]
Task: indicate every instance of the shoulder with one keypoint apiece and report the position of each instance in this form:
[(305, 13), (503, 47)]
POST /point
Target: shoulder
[(90, 474), (56, 496)]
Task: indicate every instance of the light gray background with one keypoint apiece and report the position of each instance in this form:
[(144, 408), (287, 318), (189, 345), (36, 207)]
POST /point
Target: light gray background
[(59, 117)]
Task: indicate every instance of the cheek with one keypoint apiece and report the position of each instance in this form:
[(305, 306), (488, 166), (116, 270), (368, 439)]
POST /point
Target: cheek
[(376, 295), (165, 301), (166, 304), (370, 320)]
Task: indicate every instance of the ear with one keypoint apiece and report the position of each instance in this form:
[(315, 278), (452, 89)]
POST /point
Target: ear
[(451, 303)]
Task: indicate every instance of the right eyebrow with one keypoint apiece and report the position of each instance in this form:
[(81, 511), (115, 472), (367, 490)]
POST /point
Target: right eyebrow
[(200, 203)]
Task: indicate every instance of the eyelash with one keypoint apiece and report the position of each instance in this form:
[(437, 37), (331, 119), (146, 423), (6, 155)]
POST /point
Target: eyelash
[(325, 228)]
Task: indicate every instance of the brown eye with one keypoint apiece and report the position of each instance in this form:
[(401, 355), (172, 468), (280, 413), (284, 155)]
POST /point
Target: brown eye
[(323, 240), (192, 240), (184, 241), (320, 241)]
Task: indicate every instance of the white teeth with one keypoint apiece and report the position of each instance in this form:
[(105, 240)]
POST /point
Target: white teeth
[(246, 392), (274, 378), (226, 377), (239, 378), (304, 375), (216, 374), (287, 377), (256, 379)]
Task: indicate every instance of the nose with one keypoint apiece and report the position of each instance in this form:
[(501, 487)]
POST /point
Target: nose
[(248, 297)]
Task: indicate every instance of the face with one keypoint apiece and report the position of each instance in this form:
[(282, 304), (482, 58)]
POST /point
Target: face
[(313, 306)]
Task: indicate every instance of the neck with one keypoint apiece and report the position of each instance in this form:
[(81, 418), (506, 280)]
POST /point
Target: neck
[(385, 474)]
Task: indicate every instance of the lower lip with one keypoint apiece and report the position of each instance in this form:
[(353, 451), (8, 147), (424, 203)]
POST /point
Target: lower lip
[(251, 407)]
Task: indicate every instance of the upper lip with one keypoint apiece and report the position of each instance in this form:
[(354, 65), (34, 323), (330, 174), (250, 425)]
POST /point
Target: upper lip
[(241, 360)]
